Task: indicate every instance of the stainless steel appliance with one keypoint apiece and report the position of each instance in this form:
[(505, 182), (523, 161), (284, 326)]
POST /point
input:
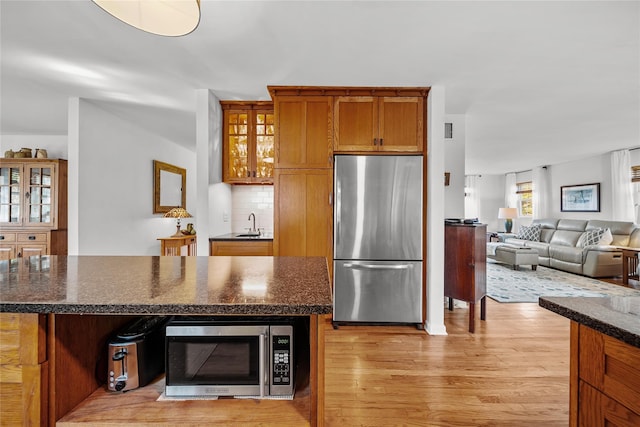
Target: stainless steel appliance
[(378, 239), (136, 354), (209, 357)]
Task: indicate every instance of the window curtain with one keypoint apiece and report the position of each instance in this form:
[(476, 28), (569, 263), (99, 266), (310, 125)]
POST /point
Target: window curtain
[(541, 192), (622, 209), (510, 189), (471, 199)]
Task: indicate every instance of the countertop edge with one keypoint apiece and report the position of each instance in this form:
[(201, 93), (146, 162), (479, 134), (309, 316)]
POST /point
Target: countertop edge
[(599, 325), (162, 309)]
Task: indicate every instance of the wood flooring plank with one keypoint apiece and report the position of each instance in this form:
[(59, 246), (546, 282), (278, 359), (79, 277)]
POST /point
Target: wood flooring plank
[(513, 371)]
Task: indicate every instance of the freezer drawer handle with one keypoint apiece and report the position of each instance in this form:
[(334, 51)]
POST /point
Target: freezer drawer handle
[(379, 267)]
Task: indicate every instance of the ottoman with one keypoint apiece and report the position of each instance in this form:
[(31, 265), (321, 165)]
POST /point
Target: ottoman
[(513, 255)]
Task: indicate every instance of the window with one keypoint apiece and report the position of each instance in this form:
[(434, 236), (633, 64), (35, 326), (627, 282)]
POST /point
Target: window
[(525, 198), (635, 173)]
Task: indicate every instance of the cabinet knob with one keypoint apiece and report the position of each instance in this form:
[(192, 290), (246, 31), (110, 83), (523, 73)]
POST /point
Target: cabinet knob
[(375, 141), (1, 237), (32, 237), (381, 141)]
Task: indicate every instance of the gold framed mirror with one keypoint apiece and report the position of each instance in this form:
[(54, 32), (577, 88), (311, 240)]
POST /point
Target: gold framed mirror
[(169, 187)]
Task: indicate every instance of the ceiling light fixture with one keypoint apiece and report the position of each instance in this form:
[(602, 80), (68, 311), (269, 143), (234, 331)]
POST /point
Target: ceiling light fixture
[(163, 17)]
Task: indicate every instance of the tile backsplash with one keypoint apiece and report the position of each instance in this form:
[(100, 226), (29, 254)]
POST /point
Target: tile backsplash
[(252, 198)]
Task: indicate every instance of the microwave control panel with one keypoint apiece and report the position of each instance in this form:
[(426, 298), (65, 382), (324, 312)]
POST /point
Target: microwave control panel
[(281, 345)]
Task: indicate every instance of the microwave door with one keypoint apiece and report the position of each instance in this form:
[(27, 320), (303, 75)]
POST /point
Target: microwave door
[(196, 358)]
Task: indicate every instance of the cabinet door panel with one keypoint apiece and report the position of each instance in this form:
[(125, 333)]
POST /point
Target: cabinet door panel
[(303, 214), (39, 201), (236, 134), (611, 366), (303, 132), (11, 194), (401, 123), (7, 251), (597, 409), (31, 250), (356, 123)]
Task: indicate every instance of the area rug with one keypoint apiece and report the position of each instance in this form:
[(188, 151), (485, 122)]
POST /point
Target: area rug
[(504, 284)]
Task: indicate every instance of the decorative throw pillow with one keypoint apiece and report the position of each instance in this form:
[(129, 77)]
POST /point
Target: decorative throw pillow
[(531, 232), (598, 236)]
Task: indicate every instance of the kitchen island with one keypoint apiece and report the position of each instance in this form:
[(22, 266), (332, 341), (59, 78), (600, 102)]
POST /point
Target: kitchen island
[(604, 362), (57, 313)]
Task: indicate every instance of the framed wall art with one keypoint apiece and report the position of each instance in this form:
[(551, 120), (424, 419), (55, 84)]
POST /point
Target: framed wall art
[(580, 198)]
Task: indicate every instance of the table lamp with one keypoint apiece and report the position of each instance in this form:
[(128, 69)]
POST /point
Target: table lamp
[(177, 213), (507, 214)]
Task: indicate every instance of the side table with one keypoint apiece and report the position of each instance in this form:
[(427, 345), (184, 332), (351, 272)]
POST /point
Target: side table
[(172, 246), (629, 265)]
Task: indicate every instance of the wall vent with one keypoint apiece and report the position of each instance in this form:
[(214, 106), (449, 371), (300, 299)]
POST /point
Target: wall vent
[(448, 131)]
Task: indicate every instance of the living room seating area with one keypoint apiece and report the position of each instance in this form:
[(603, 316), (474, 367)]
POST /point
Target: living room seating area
[(588, 247)]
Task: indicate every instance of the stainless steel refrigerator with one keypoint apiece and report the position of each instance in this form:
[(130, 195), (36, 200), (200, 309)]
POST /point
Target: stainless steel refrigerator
[(378, 239)]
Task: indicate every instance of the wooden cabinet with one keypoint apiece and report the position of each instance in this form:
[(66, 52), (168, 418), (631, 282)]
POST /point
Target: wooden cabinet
[(249, 142), (303, 217), (23, 370), (379, 123), (303, 132), (33, 207), (605, 382), (241, 248), (465, 267)]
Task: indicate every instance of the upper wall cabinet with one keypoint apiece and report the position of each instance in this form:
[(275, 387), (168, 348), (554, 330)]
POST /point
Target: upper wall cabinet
[(379, 123), (303, 131), (33, 193), (249, 142)]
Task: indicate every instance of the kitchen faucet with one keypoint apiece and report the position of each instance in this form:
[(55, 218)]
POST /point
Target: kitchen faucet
[(253, 230)]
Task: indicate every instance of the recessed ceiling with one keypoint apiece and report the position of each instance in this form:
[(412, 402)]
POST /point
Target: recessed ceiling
[(540, 82)]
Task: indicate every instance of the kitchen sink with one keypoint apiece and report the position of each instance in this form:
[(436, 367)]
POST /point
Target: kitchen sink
[(248, 235)]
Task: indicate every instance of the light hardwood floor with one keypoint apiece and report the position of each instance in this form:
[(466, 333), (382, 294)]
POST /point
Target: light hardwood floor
[(514, 371)]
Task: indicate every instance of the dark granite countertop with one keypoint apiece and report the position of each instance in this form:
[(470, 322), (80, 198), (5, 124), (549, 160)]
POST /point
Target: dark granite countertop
[(234, 236), (616, 316), (165, 285)]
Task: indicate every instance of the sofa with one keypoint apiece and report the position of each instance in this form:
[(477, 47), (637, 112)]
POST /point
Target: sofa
[(587, 247)]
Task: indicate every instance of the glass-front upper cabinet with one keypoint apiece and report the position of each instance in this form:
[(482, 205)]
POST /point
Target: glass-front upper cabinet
[(249, 137), (27, 192)]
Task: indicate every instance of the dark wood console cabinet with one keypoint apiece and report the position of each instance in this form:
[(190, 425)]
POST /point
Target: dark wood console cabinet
[(465, 267)]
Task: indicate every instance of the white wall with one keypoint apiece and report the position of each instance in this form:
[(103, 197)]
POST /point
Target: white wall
[(491, 198), (584, 171), (214, 196), (435, 212), (589, 170), (454, 163), (56, 145), (115, 184)]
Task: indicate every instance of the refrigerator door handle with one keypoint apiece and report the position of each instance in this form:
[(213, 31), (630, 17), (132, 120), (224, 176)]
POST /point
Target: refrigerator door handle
[(336, 210), (378, 266)]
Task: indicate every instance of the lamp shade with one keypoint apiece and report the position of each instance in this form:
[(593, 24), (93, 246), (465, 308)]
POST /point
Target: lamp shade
[(177, 213), (162, 17), (507, 213)]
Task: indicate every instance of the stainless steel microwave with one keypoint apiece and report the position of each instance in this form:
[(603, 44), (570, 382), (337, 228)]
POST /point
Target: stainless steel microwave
[(208, 357)]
